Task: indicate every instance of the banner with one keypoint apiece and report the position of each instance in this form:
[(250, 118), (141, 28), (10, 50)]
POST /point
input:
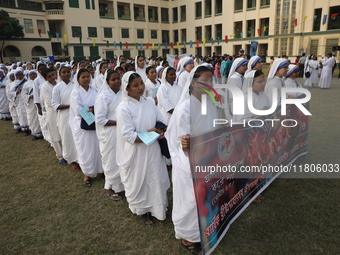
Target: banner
[(222, 196), (324, 19), (253, 48), (295, 22)]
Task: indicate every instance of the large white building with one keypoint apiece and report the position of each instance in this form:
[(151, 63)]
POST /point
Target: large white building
[(79, 29)]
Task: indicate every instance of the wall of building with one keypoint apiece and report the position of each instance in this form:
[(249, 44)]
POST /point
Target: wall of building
[(281, 36)]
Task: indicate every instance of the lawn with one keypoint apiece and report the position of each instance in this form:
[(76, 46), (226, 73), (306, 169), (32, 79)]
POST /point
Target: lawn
[(45, 209)]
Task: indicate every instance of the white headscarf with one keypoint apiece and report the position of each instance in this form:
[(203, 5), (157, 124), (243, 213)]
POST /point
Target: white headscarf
[(182, 64), (118, 60), (18, 70), (253, 62), (165, 71), (159, 69), (277, 65), (292, 69), (236, 65), (125, 83)]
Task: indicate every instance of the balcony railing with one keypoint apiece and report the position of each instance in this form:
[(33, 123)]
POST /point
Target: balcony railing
[(106, 13), (54, 12)]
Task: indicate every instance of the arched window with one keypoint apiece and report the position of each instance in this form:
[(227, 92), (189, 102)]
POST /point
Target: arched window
[(11, 51), (38, 51)]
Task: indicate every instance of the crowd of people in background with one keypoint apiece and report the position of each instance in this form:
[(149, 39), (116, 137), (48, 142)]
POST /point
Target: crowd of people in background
[(131, 96)]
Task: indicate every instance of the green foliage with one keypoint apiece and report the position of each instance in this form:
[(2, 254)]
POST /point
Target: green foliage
[(9, 27)]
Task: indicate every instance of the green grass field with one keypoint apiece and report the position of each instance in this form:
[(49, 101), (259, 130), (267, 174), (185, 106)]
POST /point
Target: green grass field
[(44, 208)]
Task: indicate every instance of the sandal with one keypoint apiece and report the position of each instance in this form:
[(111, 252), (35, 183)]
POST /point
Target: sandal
[(115, 197), (62, 162), (194, 248), (87, 183), (145, 218)]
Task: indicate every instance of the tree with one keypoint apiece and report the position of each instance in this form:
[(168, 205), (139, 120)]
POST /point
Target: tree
[(9, 29)]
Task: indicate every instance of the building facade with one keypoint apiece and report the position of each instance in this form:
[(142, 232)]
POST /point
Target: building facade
[(78, 29)]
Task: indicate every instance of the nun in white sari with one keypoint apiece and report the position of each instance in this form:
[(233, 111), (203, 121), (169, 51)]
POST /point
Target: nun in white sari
[(4, 109), (86, 141), (185, 65), (32, 115), (142, 167), (277, 72), (290, 80), (18, 100), (187, 119), (168, 94), (311, 66), (61, 103), (235, 79), (105, 106)]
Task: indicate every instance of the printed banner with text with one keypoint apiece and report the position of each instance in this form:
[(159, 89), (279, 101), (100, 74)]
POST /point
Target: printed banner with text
[(232, 165)]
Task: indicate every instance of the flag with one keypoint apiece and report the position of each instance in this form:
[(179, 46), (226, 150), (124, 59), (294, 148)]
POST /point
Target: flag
[(178, 46), (190, 44), (49, 34), (171, 45), (315, 16), (141, 45), (126, 45), (259, 31), (65, 38), (232, 35), (115, 44), (184, 44), (159, 46), (226, 39), (57, 36), (80, 38), (265, 29), (166, 46), (31, 27), (22, 26), (152, 46), (39, 32), (147, 45), (304, 18), (295, 22), (136, 44), (89, 39), (324, 19), (249, 32), (107, 44), (197, 43), (285, 24), (204, 41), (333, 16)]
